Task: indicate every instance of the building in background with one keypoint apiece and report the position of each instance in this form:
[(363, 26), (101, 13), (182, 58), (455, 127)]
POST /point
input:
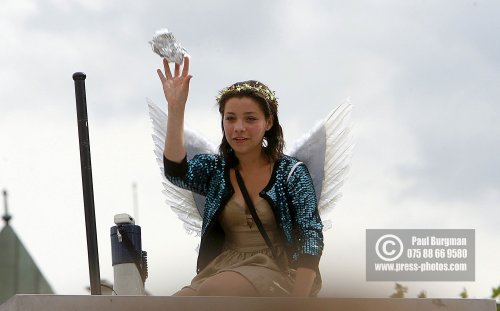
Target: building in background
[(18, 272)]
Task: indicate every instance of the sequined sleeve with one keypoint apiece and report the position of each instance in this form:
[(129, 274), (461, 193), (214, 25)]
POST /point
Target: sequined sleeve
[(307, 220), (194, 174)]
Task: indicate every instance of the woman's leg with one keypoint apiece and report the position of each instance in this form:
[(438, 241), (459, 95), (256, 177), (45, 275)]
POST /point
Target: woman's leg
[(186, 291), (227, 283)]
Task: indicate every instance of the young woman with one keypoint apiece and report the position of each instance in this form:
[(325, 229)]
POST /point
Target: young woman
[(234, 259)]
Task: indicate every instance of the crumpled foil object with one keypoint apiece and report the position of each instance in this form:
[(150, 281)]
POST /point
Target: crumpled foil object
[(165, 45)]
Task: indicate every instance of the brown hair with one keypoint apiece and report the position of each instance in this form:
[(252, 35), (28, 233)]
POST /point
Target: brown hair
[(269, 105)]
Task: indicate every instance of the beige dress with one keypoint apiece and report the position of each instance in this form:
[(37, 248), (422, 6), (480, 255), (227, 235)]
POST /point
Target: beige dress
[(246, 252)]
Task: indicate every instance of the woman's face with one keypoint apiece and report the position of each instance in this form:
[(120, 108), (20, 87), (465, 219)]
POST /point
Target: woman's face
[(244, 124)]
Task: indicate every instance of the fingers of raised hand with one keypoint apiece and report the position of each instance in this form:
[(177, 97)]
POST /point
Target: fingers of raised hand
[(167, 68), (185, 69), (160, 75), (177, 70)]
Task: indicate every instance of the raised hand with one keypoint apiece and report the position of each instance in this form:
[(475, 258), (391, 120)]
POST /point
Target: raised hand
[(175, 87)]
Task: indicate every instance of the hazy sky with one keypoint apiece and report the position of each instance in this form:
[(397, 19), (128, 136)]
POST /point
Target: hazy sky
[(423, 76)]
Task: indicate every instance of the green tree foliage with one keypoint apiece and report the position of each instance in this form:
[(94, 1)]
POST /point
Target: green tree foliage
[(464, 294), (495, 294), (399, 291), (422, 294)]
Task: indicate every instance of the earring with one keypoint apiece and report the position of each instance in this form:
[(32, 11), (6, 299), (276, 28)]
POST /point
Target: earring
[(264, 142)]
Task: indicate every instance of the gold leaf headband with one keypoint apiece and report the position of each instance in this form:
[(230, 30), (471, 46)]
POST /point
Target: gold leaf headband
[(259, 88)]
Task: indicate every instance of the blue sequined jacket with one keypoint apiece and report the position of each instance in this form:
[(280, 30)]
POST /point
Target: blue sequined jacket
[(290, 195)]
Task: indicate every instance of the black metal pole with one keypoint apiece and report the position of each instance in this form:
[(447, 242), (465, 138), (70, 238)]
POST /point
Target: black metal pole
[(88, 190)]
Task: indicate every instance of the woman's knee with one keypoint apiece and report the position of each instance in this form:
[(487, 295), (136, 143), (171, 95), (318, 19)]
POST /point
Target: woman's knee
[(227, 284), (186, 291)]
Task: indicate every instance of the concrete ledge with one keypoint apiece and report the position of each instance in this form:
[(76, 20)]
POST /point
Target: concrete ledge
[(143, 303)]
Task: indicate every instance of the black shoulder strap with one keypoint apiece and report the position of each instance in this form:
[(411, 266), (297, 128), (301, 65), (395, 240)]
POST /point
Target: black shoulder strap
[(256, 218)]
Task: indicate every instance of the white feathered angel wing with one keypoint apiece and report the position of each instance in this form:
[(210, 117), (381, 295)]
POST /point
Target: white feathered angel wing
[(326, 151), (187, 205)]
